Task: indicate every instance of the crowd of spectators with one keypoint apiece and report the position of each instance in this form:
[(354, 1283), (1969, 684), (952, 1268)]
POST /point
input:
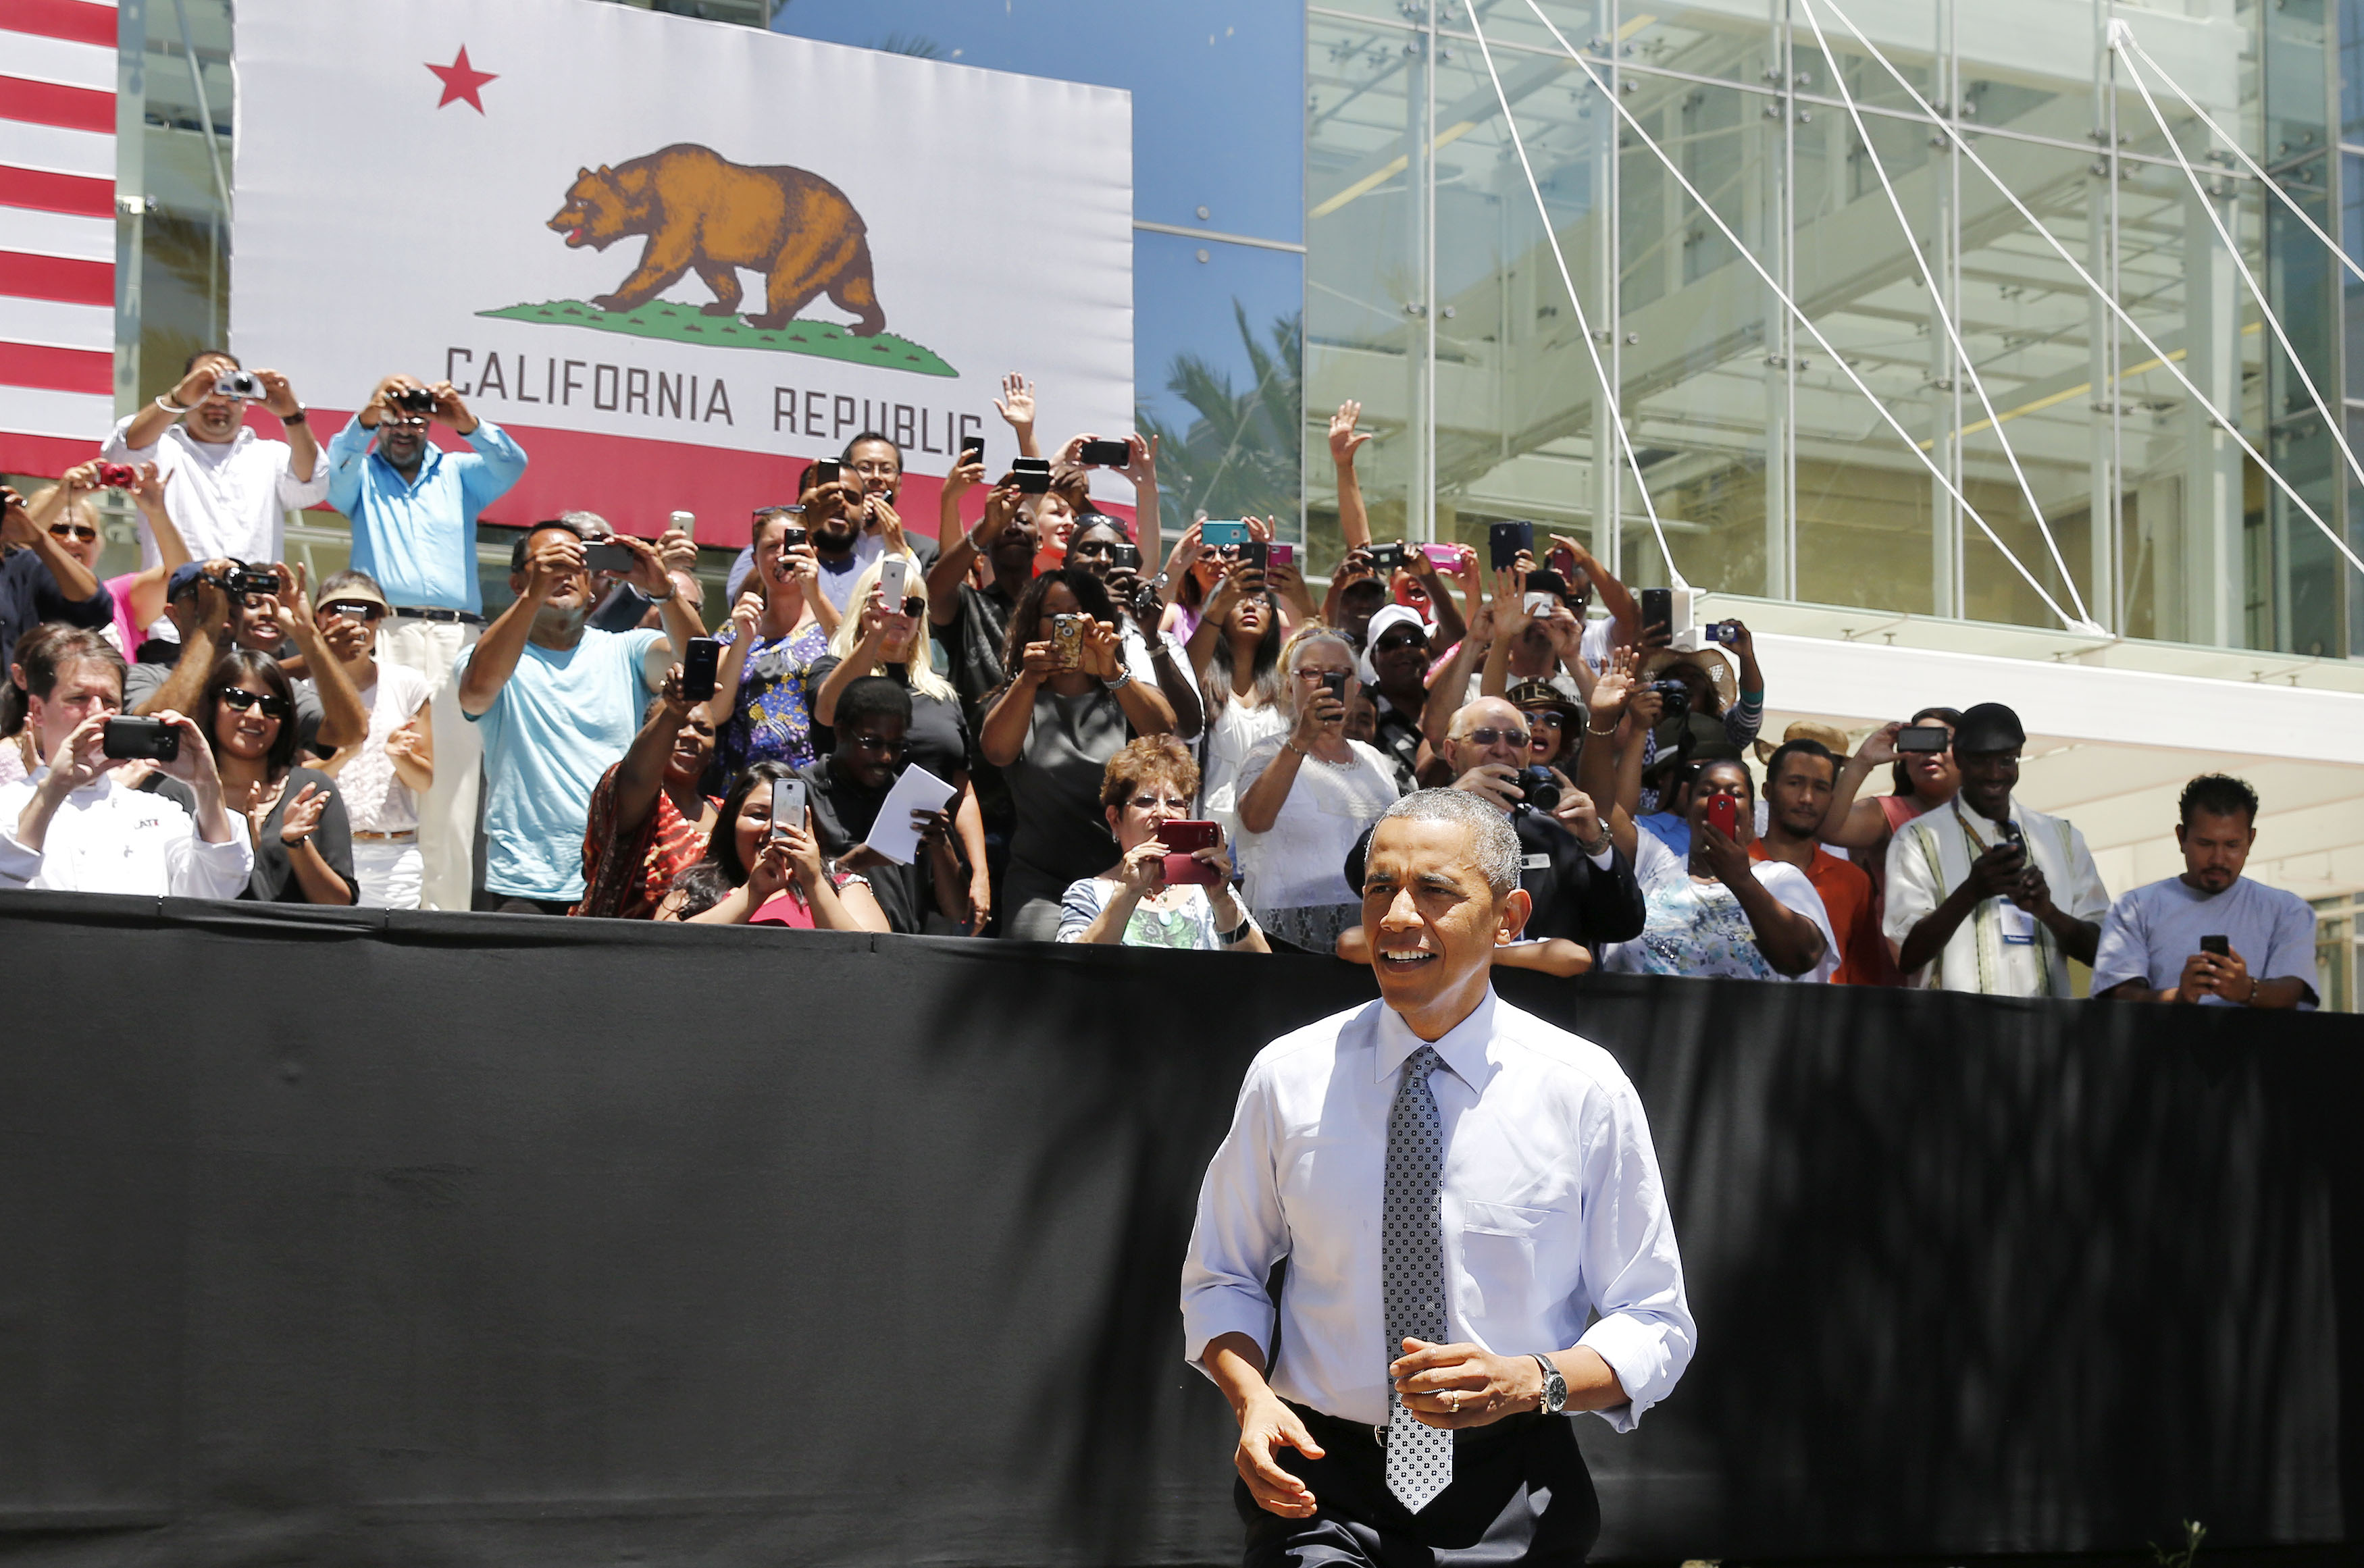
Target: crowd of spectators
[(1045, 724)]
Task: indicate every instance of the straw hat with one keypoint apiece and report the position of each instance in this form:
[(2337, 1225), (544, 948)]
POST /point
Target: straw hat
[(1807, 730), (1711, 661)]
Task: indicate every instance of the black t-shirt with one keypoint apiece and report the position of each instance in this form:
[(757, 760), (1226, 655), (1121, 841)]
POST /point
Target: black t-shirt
[(1573, 898), (979, 629), (274, 881), (1397, 735), (939, 734), (29, 596), (842, 814)]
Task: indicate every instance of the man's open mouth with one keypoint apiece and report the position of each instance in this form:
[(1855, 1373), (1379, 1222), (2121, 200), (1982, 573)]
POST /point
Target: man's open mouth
[(1411, 959)]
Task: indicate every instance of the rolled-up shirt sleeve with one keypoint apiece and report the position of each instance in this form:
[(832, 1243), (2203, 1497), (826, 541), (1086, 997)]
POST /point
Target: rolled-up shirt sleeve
[(1239, 1235), (18, 865), (1632, 1269), (195, 869)]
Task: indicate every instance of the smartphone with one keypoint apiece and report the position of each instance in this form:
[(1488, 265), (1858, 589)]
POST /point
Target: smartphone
[(1223, 536), (1657, 610), (1505, 540), (686, 522), (1444, 556), (1924, 737), (699, 661), (1724, 814), (1257, 553), (1067, 640), (1033, 475), (2220, 946), (826, 471), (1562, 560), (1180, 838), (605, 555), (1106, 454), (1334, 683), (787, 805), (1282, 555), (147, 739), (972, 449), (1541, 605), (1128, 556), (794, 535), (894, 576), (1388, 557)]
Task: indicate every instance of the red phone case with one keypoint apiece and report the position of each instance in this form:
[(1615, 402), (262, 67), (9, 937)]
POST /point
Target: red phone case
[(1724, 811), (1182, 867)]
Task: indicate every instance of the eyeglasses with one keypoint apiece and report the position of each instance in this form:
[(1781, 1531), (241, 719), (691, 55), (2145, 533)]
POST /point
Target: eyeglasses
[(354, 609), (1550, 718), (239, 699), (1152, 801), (82, 531), (1486, 735)]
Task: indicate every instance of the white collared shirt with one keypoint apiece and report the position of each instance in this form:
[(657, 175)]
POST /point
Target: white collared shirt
[(2000, 950), (107, 839), (230, 500), (1553, 1209)]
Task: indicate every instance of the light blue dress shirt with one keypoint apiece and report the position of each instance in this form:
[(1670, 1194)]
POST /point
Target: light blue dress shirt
[(419, 539)]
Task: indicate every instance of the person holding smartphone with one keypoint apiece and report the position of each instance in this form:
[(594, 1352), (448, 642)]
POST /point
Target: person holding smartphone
[(1235, 654), (1306, 796), (778, 634), (1101, 547), (650, 816), (74, 826), (776, 872), (1148, 785)]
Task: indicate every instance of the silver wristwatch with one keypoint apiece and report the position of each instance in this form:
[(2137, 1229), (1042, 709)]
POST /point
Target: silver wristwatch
[(1554, 1386)]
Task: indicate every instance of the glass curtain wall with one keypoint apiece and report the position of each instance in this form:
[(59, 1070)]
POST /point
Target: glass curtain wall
[(1968, 428)]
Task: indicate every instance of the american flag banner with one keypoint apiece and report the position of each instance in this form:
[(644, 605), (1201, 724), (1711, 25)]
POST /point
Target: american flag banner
[(57, 231)]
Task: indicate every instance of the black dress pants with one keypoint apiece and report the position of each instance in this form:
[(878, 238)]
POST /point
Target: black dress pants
[(1520, 1495)]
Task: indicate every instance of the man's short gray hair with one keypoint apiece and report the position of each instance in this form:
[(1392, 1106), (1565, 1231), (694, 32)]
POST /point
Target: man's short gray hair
[(1491, 837)]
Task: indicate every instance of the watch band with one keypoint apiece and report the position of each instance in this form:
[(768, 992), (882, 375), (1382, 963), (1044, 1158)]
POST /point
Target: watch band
[(296, 418), (1554, 1396)]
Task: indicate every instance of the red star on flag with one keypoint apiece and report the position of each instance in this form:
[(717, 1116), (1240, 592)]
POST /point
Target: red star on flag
[(461, 82)]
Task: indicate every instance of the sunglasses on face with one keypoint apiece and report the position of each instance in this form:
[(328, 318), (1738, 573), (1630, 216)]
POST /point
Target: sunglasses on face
[(354, 609), (240, 699), (1547, 721), (881, 744), (1486, 735), (82, 531), (1392, 644)]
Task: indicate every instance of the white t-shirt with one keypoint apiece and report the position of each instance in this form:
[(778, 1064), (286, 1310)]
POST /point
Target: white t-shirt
[(1699, 928), (107, 839), (376, 799), (1233, 731), (1300, 861)]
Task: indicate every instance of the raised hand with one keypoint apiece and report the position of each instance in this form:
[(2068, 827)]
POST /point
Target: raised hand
[(1344, 441), (303, 814), (1016, 404)]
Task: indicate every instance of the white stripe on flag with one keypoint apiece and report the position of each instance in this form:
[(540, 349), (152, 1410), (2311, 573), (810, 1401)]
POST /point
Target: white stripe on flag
[(55, 325), (62, 151), (57, 234), (59, 60), (75, 416)]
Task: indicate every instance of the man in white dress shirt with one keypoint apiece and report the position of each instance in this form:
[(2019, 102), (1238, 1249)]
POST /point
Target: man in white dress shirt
[(1459, 1188), (231, 490)]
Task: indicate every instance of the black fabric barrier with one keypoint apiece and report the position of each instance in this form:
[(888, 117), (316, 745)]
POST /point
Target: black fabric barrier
[(342, 1237)]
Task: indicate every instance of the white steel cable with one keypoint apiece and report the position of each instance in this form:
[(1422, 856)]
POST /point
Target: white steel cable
[(2208, 207), (2133, 45), (1879, 407), (2131, 325), (1961, 352), (1584, 325)]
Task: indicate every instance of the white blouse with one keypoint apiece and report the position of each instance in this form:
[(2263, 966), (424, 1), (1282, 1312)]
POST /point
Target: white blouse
[(1300, 861)]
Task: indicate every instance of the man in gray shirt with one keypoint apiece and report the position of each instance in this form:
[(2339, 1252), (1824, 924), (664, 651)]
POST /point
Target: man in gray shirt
[(2210, 936)]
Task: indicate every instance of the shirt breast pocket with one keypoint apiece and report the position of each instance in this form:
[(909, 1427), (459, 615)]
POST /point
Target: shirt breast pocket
[(1497, 1259)]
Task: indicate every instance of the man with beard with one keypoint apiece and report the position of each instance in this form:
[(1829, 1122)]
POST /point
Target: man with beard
[(2211, 936), (1798, 784), (873, 718), (558, 700), (414, 508), (1970, 900), (1478, 1235), (228, 491)]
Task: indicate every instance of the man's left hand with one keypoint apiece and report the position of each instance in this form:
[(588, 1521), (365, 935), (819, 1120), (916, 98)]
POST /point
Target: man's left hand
[(277, 394), (1462, 1386)]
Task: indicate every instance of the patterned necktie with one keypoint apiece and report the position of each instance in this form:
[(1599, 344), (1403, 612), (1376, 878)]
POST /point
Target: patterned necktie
[(1420, 1457)]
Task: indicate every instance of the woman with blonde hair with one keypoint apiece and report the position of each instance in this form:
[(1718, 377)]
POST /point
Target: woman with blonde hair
[(892, 640), (1305, 797)]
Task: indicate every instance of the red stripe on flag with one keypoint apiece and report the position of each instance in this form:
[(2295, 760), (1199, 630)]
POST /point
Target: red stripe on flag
[(636, 484), (57, 370), (43, 457), (60, 278), (46, 103), (82, 196), (70, 19)]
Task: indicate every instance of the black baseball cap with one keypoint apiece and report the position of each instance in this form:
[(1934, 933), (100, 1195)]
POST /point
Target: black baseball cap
[(1989, 727)]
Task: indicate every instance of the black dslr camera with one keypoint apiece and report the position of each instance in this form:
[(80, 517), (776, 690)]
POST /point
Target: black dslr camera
[(1539, 789), (1676, 699), (410, 400), (243, 582)]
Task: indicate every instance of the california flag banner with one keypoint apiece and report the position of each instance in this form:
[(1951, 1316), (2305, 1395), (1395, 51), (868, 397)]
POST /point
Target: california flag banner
[(676, 259)]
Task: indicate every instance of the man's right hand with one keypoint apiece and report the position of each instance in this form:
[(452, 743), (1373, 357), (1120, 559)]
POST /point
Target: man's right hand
[(1496, 781), (556, 556), (377, 408), (81, 757), (1266, 1425)]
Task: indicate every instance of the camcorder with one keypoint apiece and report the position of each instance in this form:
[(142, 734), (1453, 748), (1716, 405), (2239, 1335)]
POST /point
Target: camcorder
[(139, 739), (243, 384), (245, 582), (409, 400)]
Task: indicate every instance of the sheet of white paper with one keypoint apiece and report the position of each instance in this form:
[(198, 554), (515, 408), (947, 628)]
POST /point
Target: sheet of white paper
[(916, 790)]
